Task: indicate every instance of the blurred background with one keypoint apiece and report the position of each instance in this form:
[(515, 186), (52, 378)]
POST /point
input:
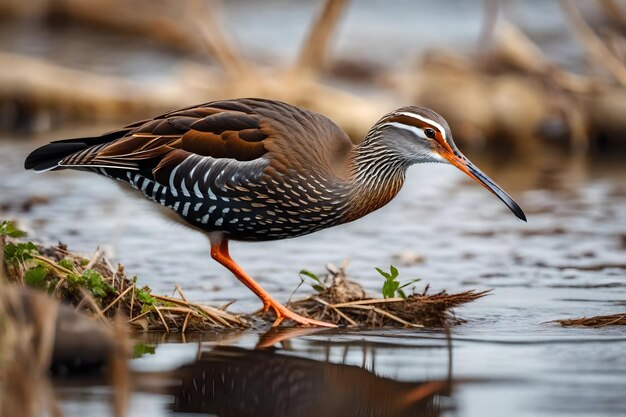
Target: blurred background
[(535, 94), (512, 74)]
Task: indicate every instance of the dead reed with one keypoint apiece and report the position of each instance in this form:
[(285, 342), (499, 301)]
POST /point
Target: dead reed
[(344, 302), (596, 321)]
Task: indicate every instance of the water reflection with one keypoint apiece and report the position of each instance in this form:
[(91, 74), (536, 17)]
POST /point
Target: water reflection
[(232, 381), (304, 380)]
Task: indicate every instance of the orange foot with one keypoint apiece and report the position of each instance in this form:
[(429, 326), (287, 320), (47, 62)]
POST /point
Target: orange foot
[(219, 252), (283, 313)]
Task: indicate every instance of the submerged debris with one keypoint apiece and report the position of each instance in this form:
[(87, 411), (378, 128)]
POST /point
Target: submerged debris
[(344, 302), (597, 321), (95, 286)]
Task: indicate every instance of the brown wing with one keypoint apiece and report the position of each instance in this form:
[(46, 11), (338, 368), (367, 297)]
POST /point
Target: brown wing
[(237, 130), (161, 143)]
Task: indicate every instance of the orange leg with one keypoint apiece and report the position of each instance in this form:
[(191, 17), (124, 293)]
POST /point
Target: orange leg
[(219, 252)]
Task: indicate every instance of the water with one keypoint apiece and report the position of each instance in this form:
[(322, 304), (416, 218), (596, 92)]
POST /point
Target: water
[(568, 261), (376, 373)]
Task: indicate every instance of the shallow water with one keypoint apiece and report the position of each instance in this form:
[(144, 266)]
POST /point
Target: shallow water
[(567, 261)]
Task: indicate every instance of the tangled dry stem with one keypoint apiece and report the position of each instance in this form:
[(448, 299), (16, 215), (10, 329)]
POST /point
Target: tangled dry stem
[(596, 321), (344, 302), (143, 309)]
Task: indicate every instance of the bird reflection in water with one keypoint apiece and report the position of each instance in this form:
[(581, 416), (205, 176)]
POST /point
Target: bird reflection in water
[(231, 381)]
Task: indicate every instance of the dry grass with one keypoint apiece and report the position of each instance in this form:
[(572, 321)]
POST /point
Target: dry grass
[(344, 302), (94, 286), (39, 334), (25, 352), (110, 292), (597, 321)]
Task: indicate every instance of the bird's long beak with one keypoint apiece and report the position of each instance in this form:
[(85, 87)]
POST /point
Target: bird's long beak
[(464, 164)]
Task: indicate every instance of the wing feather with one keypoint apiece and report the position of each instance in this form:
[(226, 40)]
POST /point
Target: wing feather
[(244, 138), (218, 132)]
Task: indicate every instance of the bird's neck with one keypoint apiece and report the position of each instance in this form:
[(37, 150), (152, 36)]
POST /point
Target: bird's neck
[(377, 173)]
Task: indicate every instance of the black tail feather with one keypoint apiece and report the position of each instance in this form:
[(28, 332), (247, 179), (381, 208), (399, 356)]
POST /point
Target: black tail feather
[(48, 156)]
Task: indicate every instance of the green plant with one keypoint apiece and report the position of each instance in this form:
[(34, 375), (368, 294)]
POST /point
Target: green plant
[(16, 253), (67, 264), (392, 287), (144, 297), (96, 284), (7, 228), (36, 277), (317, 283), (92, 281)]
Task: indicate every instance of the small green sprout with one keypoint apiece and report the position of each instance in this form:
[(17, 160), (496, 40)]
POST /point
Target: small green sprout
[(92, 281), (8, 228), (36, 277), (16, 253), (143, 295), (391, 286), (96, 284), (67, 264), (317, 282)]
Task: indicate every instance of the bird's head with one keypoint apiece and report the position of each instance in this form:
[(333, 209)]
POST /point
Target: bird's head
[(418, 134)]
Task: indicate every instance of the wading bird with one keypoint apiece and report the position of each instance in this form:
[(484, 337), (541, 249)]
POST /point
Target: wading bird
[(258, 170)]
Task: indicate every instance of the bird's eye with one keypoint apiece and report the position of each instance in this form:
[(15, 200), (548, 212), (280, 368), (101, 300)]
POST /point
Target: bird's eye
[(430, 133)]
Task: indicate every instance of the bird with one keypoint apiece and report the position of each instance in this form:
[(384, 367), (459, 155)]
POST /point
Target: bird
[(252, 169)]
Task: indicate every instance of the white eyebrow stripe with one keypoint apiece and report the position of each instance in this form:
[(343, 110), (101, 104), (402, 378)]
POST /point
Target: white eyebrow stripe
[(425, 120), (416, 130)]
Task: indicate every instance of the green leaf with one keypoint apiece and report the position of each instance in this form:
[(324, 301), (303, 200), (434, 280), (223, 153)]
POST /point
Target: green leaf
[(413, 281), (36, 277), (394, 271), (388, 290), (144, 297), (391, 286), (318, 285), (383, 273), (95, 283), (8, 228), (19, 252), (383, 290), (66, 263), (309, 274)]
